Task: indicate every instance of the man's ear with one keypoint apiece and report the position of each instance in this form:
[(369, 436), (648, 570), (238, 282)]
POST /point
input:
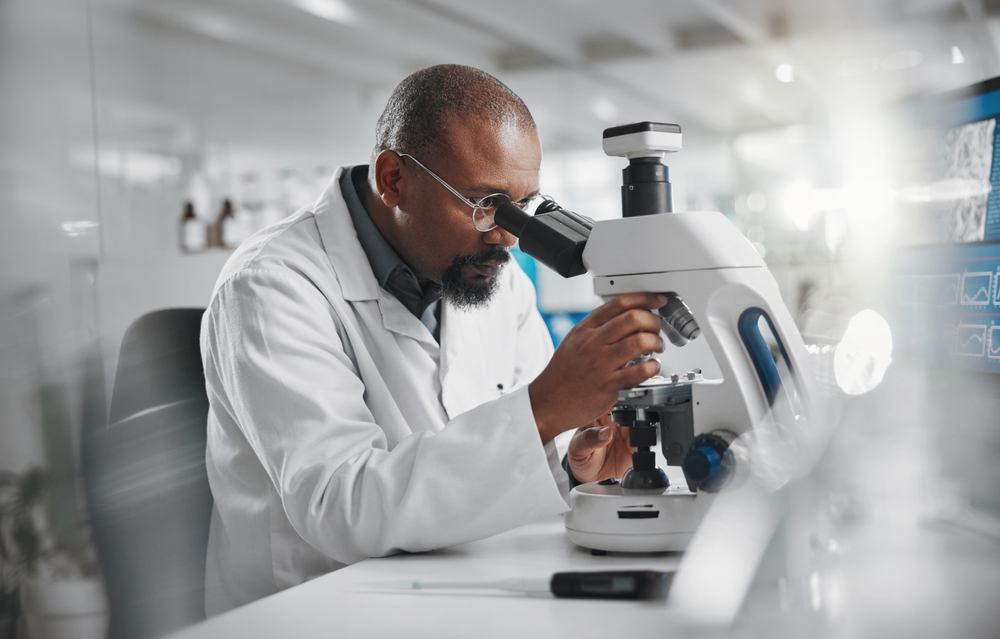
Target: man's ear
[(389, 177)]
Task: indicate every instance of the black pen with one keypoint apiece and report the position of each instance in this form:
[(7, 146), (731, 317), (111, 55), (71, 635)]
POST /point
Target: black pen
[(605, 584)]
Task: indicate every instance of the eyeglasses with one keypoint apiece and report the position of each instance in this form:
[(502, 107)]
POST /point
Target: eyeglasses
[(484, 208)]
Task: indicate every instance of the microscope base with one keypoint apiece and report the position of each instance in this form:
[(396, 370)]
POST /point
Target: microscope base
[(602, 517)]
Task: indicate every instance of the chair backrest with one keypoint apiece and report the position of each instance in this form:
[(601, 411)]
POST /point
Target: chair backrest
[(149, 494)]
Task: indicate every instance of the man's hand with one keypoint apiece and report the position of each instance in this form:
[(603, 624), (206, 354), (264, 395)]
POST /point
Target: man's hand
[(600, 451), (581, 382)]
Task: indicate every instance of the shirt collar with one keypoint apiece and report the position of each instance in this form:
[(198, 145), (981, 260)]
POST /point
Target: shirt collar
[(382, 257), (391, 272)]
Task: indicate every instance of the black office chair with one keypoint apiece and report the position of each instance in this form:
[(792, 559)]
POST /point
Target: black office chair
[(148, 491)]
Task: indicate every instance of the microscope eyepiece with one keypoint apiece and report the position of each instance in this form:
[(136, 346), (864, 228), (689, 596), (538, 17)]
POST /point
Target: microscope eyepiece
[(511, 218), (554, 236)]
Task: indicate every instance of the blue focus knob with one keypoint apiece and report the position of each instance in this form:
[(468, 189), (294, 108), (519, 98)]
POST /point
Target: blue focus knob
[(702, 463)]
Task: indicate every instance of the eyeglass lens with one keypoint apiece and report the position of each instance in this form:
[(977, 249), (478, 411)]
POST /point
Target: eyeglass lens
[(486, 208)]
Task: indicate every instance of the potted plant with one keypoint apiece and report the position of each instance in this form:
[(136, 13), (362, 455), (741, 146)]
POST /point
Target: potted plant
[(49, 575)]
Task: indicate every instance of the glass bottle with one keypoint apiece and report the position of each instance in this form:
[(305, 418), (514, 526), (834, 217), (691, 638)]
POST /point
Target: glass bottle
[(193, 232)]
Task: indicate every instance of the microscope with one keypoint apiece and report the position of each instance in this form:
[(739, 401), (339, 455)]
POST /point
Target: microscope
[(715, 422)]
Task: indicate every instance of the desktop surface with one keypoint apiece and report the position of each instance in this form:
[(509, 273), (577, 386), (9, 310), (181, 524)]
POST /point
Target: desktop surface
[(345, 603)]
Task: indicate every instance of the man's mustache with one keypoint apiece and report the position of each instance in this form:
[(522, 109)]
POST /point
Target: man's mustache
[(495, 255)]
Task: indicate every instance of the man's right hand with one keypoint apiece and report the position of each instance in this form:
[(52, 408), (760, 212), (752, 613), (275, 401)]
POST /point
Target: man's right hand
[(581, 382)]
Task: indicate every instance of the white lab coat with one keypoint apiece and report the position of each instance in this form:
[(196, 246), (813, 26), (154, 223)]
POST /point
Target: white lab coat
[(338, 429)]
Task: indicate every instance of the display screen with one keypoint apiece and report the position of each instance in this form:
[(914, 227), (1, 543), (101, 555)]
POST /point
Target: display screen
[(949, 300), (948, 289)]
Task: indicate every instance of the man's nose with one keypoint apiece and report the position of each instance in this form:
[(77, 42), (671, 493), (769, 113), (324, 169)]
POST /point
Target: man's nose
[(499, 236)]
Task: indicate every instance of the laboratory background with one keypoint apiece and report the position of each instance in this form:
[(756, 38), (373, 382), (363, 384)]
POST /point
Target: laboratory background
[(851, 142)]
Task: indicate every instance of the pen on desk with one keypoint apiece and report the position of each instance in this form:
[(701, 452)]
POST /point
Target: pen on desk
[(608, 584)]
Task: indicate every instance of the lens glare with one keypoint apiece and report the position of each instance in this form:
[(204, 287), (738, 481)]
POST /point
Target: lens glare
[(486, 208)]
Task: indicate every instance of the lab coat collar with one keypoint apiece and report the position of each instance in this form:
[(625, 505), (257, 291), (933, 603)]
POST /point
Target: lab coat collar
[(342, 245), (398, 319), (351, 264)]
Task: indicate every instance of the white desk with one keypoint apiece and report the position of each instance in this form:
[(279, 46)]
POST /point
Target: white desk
[(339, 604), (965, 577)]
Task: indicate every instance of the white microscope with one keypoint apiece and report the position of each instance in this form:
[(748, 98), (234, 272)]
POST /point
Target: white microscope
[(717, 427)]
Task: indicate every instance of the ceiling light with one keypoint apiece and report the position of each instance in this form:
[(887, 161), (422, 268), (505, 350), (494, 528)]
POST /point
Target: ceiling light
[(785, 73), (76, 229), (332, 10)]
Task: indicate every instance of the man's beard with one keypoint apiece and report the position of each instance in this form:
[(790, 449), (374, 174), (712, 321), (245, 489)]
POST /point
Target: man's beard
[(476, 293)]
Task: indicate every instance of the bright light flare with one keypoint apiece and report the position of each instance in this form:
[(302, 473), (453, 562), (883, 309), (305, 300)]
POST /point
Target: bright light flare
[(800, 202), (945, 191), (864, 353), (785, 73)]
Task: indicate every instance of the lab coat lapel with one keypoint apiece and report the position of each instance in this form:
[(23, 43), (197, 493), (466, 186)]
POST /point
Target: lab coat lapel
[(357, 281), (353, 269), (398, 319)]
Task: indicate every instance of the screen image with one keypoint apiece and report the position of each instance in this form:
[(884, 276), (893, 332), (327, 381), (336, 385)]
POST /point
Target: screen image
[(949, 305), (947, 292), (968, 157)]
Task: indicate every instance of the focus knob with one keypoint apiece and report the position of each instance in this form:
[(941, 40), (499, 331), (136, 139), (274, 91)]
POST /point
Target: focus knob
[(702, 464), (715, 460)]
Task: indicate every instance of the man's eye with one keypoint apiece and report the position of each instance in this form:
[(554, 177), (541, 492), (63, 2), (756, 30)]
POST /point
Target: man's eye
[(489, 202)]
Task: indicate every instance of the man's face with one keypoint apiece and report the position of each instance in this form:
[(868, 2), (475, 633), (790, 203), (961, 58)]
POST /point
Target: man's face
[(436, 235)]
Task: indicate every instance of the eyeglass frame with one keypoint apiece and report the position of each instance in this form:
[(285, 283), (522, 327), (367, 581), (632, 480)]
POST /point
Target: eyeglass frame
[(475, 204)]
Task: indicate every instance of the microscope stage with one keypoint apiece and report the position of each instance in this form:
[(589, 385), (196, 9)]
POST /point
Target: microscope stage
[(604, 517)]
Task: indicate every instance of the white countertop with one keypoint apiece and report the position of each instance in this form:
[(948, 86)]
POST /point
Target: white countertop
[(964, 578), (342, 604)]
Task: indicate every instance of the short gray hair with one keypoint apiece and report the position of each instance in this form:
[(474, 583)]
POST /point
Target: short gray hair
[(416, 116)]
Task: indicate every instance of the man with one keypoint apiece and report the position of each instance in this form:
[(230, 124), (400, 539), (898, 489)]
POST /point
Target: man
[(378, 375)]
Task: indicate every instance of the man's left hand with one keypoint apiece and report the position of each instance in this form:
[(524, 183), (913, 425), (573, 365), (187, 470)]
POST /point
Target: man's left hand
[(599, 451)]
